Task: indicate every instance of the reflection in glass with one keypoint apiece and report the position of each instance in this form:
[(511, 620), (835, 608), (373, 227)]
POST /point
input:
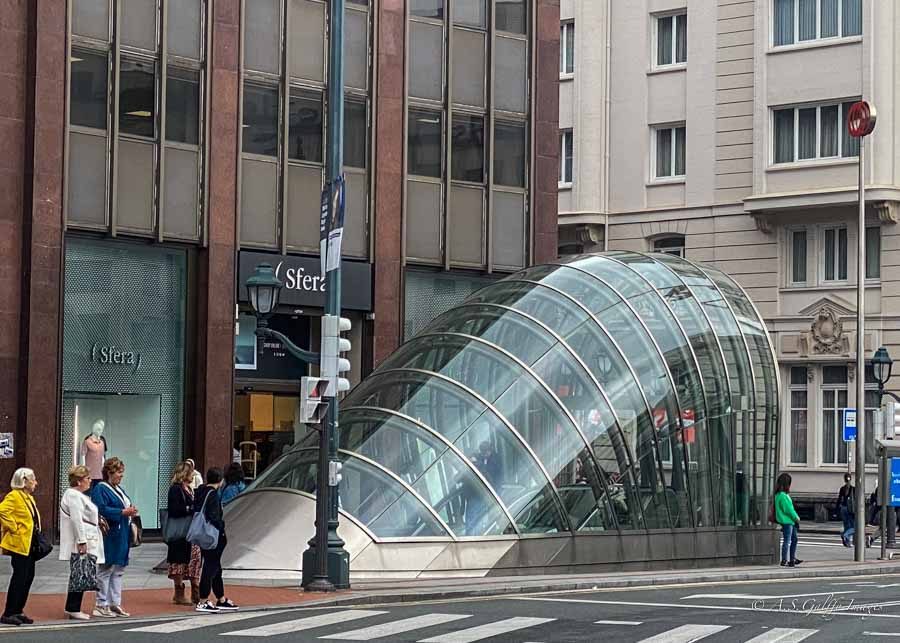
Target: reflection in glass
[(468, 149), (427, 8), (305, 126), (88, 89), (510, 15), (509, 154), (137, 98), (356, 134), (183, 106), (424, 149), (260, 130)]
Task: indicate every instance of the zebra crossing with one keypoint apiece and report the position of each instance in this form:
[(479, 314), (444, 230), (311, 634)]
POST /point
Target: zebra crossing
[(370, 625)]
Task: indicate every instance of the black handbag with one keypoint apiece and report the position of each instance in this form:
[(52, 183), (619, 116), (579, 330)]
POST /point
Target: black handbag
[(136, 535), (173, 529), (83, 573), (40, 545)]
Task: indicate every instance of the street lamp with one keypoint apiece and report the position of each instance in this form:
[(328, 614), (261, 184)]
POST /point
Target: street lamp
[(881, 366), (264, 288)]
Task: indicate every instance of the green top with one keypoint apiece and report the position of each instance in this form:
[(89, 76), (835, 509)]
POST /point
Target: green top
[(784, 510)]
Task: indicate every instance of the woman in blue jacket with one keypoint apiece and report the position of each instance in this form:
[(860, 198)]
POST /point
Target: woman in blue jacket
[(116, 507)]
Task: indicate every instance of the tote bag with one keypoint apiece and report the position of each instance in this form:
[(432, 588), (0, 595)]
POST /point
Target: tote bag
[(202, 532), (173, 529), (82, 573)]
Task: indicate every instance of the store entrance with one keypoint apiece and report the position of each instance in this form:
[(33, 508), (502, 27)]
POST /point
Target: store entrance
[(265, 426)]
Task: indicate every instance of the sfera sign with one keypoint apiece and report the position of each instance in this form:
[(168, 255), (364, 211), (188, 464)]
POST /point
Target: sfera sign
[(111, 355), (303, 284)]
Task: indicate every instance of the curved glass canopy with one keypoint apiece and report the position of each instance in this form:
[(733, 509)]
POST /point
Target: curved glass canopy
[(607, 392)]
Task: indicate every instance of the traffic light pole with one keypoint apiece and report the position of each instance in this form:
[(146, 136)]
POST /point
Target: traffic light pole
[(332, 563)]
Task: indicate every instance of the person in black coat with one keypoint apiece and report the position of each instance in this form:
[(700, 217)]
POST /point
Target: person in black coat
[(208, 498), (181, 505)]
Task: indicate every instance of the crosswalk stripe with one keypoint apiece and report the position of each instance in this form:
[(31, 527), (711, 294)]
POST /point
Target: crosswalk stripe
[(173, 627), (396, 627), (300, 624), (782, 635), (618, 622), (686, 634), (491, 629)]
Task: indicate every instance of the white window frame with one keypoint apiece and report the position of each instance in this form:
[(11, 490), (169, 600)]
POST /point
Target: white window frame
[(838, 416), (842, 119), (821, 245), (654, 136), (818, 40), (564, 181), (654, 56), (678, 251), (789, 253), (566, 56), (790, 409)]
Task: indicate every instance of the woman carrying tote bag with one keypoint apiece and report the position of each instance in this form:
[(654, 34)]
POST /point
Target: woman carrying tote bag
[(80, 539), (183, 558)]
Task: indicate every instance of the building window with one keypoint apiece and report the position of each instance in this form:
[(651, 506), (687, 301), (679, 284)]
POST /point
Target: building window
[(671, 40), (873, 252), (799, 414), (565, 157), (670, 156), (797, 21), (670, 245), (798, 256), (835, 254), (567, 48), (812, 132), (834, 401)]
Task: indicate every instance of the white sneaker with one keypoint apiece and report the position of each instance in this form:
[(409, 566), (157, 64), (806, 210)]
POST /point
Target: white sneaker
[(206, 607), (78, 616), (103, 611), (118, 611)]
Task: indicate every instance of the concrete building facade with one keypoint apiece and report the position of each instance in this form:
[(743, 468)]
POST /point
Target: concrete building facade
[(717, 130)]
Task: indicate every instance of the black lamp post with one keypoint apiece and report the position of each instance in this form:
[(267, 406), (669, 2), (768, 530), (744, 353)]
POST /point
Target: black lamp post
[(882, 364)]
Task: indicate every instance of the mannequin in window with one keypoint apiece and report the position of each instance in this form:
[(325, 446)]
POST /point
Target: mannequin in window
[(93, 452)]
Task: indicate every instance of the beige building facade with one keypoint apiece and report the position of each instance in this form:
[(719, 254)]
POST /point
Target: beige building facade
[(717, 130)]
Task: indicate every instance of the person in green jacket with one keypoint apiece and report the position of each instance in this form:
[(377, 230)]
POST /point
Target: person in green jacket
[(787, 517)]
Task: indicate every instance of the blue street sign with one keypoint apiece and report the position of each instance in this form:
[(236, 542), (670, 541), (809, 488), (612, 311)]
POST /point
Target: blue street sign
[(849, 425), (895, 482)]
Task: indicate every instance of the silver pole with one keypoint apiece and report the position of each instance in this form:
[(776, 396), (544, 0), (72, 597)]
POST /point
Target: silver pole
[(860, 549)]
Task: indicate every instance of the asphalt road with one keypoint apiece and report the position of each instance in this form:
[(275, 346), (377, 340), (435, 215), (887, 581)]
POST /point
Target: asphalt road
[(838, 609)]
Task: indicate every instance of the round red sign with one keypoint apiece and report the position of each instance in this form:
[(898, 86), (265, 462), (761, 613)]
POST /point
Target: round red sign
[(861, 119)]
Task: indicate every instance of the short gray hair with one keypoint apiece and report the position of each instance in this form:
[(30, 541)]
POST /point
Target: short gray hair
[(19, 477)]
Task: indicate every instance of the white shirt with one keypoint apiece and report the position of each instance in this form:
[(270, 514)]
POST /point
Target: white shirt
[(197, 482), (79, 523)]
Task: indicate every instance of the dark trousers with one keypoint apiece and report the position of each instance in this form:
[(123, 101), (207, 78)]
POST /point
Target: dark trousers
[(211, 572), (73, 601), (19, 584)]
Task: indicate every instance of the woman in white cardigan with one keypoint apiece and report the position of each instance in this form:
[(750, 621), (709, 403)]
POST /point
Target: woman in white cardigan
[(79, 530)]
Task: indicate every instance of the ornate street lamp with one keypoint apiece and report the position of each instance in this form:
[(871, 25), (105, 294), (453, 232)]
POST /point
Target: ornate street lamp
[(264, 288), (881, 366)]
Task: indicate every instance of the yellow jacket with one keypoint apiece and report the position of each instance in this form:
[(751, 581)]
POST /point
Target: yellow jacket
[(16, 522)]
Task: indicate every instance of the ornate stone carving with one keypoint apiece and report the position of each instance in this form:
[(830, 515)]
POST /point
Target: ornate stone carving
[(763, 223), (827, 333), (887, 211)]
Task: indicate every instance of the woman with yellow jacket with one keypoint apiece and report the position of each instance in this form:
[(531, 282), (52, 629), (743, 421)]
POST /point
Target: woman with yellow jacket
[(19, 522)]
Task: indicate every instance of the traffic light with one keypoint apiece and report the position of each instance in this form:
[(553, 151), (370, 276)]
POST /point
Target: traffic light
[(334, 473), (313, 404), (332, 365), (891, 420)]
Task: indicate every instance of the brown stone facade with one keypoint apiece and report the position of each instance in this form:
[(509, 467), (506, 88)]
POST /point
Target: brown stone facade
[(546, 130)]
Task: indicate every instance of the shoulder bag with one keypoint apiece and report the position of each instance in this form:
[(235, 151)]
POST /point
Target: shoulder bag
[(40, 544), (202, 532), (136, 535), (174, 529)]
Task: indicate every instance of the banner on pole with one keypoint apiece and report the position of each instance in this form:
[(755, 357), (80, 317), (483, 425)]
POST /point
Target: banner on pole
[(336, 233), (323, 228)]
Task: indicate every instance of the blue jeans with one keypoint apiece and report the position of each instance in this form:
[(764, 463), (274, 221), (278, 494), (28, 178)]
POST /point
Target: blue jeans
[(788, 539), (848, 520)]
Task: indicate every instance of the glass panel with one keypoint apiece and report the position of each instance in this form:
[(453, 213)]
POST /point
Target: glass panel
[(680, 151), (664, 152), (510, 71), (467, 225), (874, 426), (426, 60), (259, 134), (356, 44), (798, 256), (137, 98), (182, 190), (570, 48), (297, 470), (829, 18), (784, 135), (468, 67), (829, 133), (568, 154), (88, 89), (626, 282), (427, 8), (430, 294), (852, 18), (307, 41), (356, 215), (184, 28), (424, 148), (87, 179), (510, 151), (134, 207), (406, 518), (842, 254), (91, 18), (356, 134), (834, 375), (849, 145), (304, 203), (798, 426), (873, 253), (262, 35), (807, 142), (183, 106), (510, 15), (423, 224), (138, 23), (508, 229), (799, 376), (664, 41), (366, 492), (305, 126), (829, 254), (807, 19), (259, 186), (784, 22), (681, 38), (469, 12), (541, 303), (468, 149)]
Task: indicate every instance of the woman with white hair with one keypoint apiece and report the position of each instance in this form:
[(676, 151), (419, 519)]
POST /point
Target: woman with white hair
[(19, 524)]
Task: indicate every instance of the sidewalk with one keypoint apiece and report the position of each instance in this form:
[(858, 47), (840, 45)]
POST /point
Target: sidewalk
[(149, 594)]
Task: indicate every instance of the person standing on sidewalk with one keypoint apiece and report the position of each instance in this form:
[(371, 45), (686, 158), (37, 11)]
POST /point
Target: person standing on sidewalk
[(116, 507), (208, 498), (19, 522), (196, 478), (79, 530), (845, 508), (787, 517), (183, 558), (234, 483)]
